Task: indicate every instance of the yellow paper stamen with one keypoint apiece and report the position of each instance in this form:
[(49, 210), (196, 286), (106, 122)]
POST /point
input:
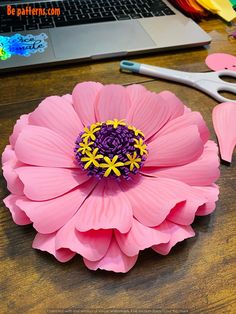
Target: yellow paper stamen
[(89, 133), (133, 161), (112, 165), (136, 131), (85, 146), (116, 122), (91, 159), (141, 146)]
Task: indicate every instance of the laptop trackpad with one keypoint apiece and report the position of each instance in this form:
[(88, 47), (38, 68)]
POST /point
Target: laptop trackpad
[(93, 40)]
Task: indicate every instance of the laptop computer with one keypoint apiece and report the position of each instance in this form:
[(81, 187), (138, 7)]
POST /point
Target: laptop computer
[(90, 30)]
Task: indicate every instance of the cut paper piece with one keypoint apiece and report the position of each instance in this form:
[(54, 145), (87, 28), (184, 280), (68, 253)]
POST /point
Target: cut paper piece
[(233, 2), (195, 5), (9, 163), (190, 8), (221, 61), (211, 193), (46, 242), (178, 233), (114, 260), (207, 4), (141, 237), (224, 117), (19, 217), (221, 7)]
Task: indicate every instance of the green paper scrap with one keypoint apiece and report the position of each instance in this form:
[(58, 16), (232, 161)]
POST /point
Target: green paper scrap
[(233, 2)]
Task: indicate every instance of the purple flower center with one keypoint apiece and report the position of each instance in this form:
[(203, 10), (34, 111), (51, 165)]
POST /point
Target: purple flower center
[(111, 149)]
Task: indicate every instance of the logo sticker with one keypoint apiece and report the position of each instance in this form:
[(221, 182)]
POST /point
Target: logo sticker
[(22, 45)]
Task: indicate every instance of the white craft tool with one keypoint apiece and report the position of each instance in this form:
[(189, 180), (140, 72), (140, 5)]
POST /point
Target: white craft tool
[(209, 82)]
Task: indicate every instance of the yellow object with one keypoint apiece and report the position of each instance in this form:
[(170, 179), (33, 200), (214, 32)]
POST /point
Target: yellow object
[(89, 133), (209, 5), (111, 165), (141, 146), (221, 7), (136, 131), (85, 146), (115, 122), (133, 161), (91, 159)]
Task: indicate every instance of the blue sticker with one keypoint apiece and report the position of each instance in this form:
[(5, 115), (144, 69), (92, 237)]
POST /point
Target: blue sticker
[(22, 45)]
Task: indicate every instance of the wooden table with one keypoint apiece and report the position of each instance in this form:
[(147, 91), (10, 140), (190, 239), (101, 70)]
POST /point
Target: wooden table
[(197, 277)]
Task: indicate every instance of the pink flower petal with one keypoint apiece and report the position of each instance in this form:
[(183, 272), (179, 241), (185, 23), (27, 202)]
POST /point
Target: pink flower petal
[(203, 171), (19, 126), (46, 242), (149, 112), (176, 105), (40, 146), (10, 162), (68, 98), (113, 103), (211, 193), (18, 216), (221, 61), (153, 198), (135, 92), (187, 109), (49, 216), (8, 154), (184, 213), (84, 97), (92, 244), (114, 260), (176, 148), (41, 183), (141, 237), (224, 117), (178, 233), (191, 118), (106, 208), (56, 114), (14, 184), (206, 209)]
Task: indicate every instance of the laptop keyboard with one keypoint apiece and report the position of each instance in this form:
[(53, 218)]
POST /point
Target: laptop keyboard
[(75, 12)]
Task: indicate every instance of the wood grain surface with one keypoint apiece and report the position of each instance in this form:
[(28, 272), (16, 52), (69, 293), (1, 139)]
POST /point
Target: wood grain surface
[(199, 274)]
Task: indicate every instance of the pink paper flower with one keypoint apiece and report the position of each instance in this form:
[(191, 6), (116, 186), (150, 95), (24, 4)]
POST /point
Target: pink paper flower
[(110, 171)]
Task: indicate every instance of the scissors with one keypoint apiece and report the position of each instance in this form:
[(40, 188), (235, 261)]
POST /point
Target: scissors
[(209, 82)]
